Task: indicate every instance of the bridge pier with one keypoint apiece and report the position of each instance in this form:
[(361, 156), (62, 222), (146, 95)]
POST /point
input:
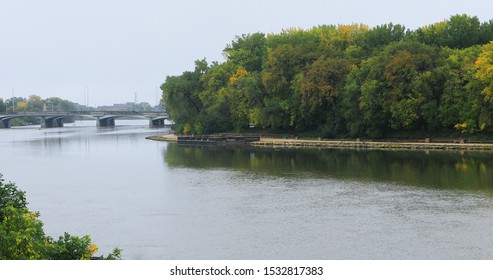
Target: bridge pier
[(105, 122), (50, 122), (4, 123), (156, 122)]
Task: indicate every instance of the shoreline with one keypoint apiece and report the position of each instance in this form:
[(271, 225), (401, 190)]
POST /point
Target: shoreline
[(164, 138), (369, 145), (350, 144)]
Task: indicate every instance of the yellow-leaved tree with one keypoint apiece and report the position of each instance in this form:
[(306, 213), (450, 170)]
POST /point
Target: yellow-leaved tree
[(484, 73), (22, 236)]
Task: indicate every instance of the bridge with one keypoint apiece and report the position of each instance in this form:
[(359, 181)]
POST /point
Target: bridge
[(51, 119)]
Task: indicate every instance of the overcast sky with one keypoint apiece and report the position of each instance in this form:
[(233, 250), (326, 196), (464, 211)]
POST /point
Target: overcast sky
[(116, 48)]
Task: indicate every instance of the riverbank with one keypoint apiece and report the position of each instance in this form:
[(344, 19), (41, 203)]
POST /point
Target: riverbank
[(166, 138), (353, 144), (387, 145)]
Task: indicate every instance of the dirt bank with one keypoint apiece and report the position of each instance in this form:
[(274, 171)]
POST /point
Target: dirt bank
[(347, 144)]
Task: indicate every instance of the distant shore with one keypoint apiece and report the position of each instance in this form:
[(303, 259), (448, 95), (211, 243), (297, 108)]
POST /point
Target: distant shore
[(353, 144)]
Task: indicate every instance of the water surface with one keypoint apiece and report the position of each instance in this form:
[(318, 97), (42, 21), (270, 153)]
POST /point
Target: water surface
[(158, 200)]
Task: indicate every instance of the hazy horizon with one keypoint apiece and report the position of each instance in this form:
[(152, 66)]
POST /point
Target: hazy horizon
[(113, 50)]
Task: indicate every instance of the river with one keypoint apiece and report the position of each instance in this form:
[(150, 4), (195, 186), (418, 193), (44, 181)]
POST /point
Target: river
[(158, 200)]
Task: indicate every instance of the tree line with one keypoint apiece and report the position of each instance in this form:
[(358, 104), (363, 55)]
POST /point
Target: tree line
[(344, 81), (35, 103)]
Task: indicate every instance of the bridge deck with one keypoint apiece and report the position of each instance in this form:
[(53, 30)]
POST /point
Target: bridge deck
[(104, 118), (86, 113)]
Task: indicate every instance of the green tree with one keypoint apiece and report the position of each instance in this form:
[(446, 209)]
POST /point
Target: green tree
[(308, 40), (53, 103), (3, 106), (345, 36), (69, 247), (247, 51), (460, 104), (371, 103), (321, 82), (382, 35), (10, 194), (35, 103), (22, 236), (283, 65), (345, 80), (245, 95), (320, 87), (484, 73), (458, 32), (402, 70), (215, 114), (486, 32), (14, 101), (181, 95), (463, 31), (59, 104), (349, 100)]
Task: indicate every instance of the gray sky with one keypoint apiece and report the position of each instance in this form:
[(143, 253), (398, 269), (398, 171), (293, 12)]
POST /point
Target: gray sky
[(116, 48)]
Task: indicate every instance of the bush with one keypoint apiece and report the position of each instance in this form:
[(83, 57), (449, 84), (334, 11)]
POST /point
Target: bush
[(22, 236), (10, 193)]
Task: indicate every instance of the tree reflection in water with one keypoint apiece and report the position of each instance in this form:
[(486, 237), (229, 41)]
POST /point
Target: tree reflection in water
[(431, 169)]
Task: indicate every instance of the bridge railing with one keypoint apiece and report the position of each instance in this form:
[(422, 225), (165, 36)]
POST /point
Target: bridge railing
[(44, 113), (90, 113)]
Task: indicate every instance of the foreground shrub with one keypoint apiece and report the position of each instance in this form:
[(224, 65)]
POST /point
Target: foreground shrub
[(22, 236)]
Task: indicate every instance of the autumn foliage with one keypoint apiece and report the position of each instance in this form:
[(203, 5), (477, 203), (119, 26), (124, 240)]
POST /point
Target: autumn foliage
[(22, 236), (344, 81)]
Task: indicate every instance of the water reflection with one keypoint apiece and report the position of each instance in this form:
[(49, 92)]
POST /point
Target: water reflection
[(160, 201), (82, 136), (444, 170)]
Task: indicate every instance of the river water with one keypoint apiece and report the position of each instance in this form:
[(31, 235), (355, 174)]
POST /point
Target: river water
[(157, 200)]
